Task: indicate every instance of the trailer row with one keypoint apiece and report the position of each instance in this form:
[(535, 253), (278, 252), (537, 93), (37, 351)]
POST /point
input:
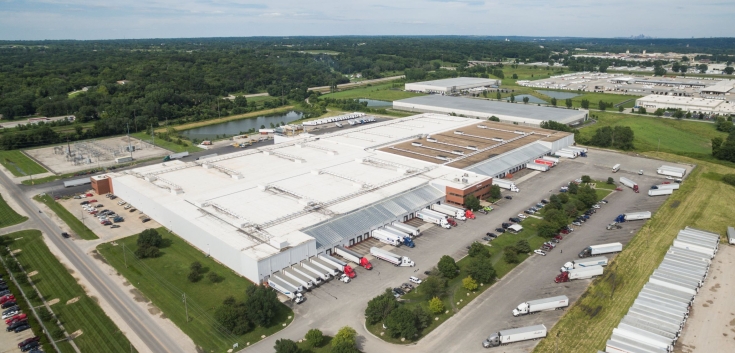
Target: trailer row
[(335, 119), (293, 281), (655, 320)]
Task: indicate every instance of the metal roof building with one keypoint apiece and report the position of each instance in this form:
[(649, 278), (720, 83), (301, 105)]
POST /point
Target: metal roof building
[(520, 113), (702, 105), (451, 85), (510, 162)]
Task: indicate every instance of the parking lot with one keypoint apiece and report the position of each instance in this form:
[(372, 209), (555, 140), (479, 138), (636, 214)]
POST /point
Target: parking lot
[(131, 225), (9, 340), (337, 304)]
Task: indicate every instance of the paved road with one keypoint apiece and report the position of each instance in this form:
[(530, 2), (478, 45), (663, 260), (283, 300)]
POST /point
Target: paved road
[(356, 84), (137, 319), (336, 304)]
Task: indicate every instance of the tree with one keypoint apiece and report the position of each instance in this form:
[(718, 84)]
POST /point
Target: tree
[(659, 112), (472, 202), (610, 180), (620, 108), (553, 101), (433, 286), (403, 322), (241, 101), (493, 118), (723, 125), (675, 66), (478, 250), (232, 315), (194, 276), (196, 266), (585, 104), (481, 269), (149, 237), (641, 110), (469, 284), (716, 143), (314, 338), (213, 277), (563, 198), (573, 188), (512, 98), (345, 335), (702, 68), (147, 251), (436, 306), (729, 179), (495, 192), (547, 229), (586, 179), (510, 256), (515, 77), (602, 105), (523, 246), (728, 70), (447, 267), (261, 304), (570, 209), (568, 102), (285, 345), (684, 68), (658, 70), (497, 95), (45, 314), (344, 348), (678, 114), (379, 307)]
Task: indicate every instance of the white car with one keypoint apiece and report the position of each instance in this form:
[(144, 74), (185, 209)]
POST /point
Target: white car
[(595, 206), (522, 216), (540, 252), (11, 314), (414, 279)]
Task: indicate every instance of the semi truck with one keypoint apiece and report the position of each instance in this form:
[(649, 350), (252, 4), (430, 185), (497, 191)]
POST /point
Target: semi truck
[(543, 161), (432, 218), (671, 171), (537, 166), (175, 156), (298, 278), (406, 238), (286, 289), (633, 216), (412, 231), (313, 277), (566, 154), (629, 183), (660, 192), (506, 184), (600, 249), (283, 278), (592, 261), (317, 270), (552, 159), (534, 306), (325, 266), (449, 211), (387, 237), (674, 186), (515, 335), (391, 257), (352, 256), (579, 273)]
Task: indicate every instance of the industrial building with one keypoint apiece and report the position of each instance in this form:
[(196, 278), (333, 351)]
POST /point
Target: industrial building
[(261, 210), (455, 85), (518, 113), (695, 105)]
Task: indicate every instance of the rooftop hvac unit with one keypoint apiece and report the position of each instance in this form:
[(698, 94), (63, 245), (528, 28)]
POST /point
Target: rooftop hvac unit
[(417, 144), (444, 158), (459, 133), (482, 126), (460, 153), (474, 148), (464, 180), (430, 139), (497, 139)]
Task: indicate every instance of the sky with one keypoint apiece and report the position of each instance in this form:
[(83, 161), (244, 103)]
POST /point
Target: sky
[(126, 19)]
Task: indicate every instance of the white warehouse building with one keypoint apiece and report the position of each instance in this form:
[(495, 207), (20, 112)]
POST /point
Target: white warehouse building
[(691, 104), (452, 85)]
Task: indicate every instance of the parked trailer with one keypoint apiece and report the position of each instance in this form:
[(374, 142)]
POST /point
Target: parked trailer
[(431, 218), (286, 289), (665, 282), (648, 347), (694, 262), (671, 171), (678, 274), (413, 231), (539, 167), (704, 239), (694, 247), (660, 192), (387, 237), (576, 148), (673, 293), (123, 159), (449, 211), (566, 154), (635, 216), (612, 346), (515, 335), (730, 235), (689, 253), (299, 287), (601, 249), (325, 266), (175, 156), (592, 261), (671, 324), (546, 304), (567, 150), (703, 232), (391, 257), (673, 302), (616, 168), (684, 268), (305, 271), (353, 257), (299, 278), (645, 337), (316, 269), (506, 184), (662, 312), (552, 159), (579, 273), (77, 182), (645, 325), (629, 183), (674, 186), (545, 162), (667, 338), (405, 238)]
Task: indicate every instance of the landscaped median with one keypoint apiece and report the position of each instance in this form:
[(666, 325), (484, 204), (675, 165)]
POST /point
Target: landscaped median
[(75, 224), (209, 302), (703, 201)]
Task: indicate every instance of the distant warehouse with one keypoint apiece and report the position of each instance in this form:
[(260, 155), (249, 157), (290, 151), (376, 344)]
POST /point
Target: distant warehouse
[(526, 114), (452, 85)]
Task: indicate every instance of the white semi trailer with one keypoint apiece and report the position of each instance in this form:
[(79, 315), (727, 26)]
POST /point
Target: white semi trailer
[(660, 192), (539, 167), (506, 184), (391, 257), (429, 217), (534, 306), (587, 262), (449, 211), (387, 237), (515, 335), (286, 289), (413, 231), (601, 249)]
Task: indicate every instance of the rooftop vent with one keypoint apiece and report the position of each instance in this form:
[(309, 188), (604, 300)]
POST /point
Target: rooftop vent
[(417, 144)]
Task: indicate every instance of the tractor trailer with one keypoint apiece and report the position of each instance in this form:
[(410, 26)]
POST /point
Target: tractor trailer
[(552, 159), (660, 192), (592, 261), (387, 237), (534, 306), (406, 238), (449, 211), (515, 335), (506, 184), (313, 277), (286, 289), (633, 216), (671, 171), (298, 278), (629, 183), (316, 269), (391, 257), (352, 256), (674, 186), (538, 166), (431, 217), (579, 273), (412, 231), (175, 156), (332, 270), (283, 278), (600, 249)]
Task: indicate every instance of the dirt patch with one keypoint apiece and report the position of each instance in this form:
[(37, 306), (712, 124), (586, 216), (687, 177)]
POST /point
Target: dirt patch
[(72, 300), (16, 251), (97, 256), (126, 283), (53, 301), (154, 310), (138, 296), (732, 322), (715, 287), (705, 305), (710, 302), (76, 334), (33, 273), (675, 204), (163, 316)]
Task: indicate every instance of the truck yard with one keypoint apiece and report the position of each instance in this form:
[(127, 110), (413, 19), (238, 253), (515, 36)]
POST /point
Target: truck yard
[(492, 311)]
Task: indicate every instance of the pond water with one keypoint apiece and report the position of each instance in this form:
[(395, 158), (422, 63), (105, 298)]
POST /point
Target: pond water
[(234, 127), (531, 99), (376, 103), (558, 95)]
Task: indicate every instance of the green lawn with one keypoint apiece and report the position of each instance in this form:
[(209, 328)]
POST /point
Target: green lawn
[(171, 146), (163, 280), (702, 202), (8, 216), (383, 91), (54, 281), (457, 297), (77, 227), (19, 164), (676, 136)]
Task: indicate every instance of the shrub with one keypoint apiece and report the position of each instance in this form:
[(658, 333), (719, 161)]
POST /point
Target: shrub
[(285, 345), (586, 179), (57, 333), (729, 179), (346, 335), (436, 306), (447, 267), (213, 277), (610, 180), (481, 269), (379, 307), (314, 338), (469, 284), (433, 286), (45, 314), (522, 246), (510, 255), (478, 250)]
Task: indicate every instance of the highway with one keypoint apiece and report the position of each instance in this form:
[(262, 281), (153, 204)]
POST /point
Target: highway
[(140, 321)]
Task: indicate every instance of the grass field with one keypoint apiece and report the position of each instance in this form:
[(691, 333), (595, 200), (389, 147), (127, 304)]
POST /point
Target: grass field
[(702, 202), (76, 226), (19, 164), (384, 92), (171, 146), (8, 216), (682, 137), (99, 333), (163, 280), (457, 296)]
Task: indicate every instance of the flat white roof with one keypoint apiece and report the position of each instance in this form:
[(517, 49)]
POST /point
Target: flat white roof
[(283, 188), (690, 101), (457, 81)]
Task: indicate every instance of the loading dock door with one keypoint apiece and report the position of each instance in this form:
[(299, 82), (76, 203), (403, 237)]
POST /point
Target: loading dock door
[(352, 241), (329, 252), (359, 238)]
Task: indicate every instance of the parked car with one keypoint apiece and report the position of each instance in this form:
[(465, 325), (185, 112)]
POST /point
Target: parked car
[(603, 201), (7, 298), (595, 206), (540, 252), (13, 318), (515, 219), (509, 197), (65, 235), (564, 231), (132, 210), (492, 235), (5, 292), (28, 340), (398, 291), (544, 201), (506, 225), (29, 346), (21, 328), (577, 224), (487, 238), (115, 226), (92, 201), (414, 279), (9, 312), (8, 304), (84, 202), (558, 236), (12, 326), (500, 230), (522, 216)]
